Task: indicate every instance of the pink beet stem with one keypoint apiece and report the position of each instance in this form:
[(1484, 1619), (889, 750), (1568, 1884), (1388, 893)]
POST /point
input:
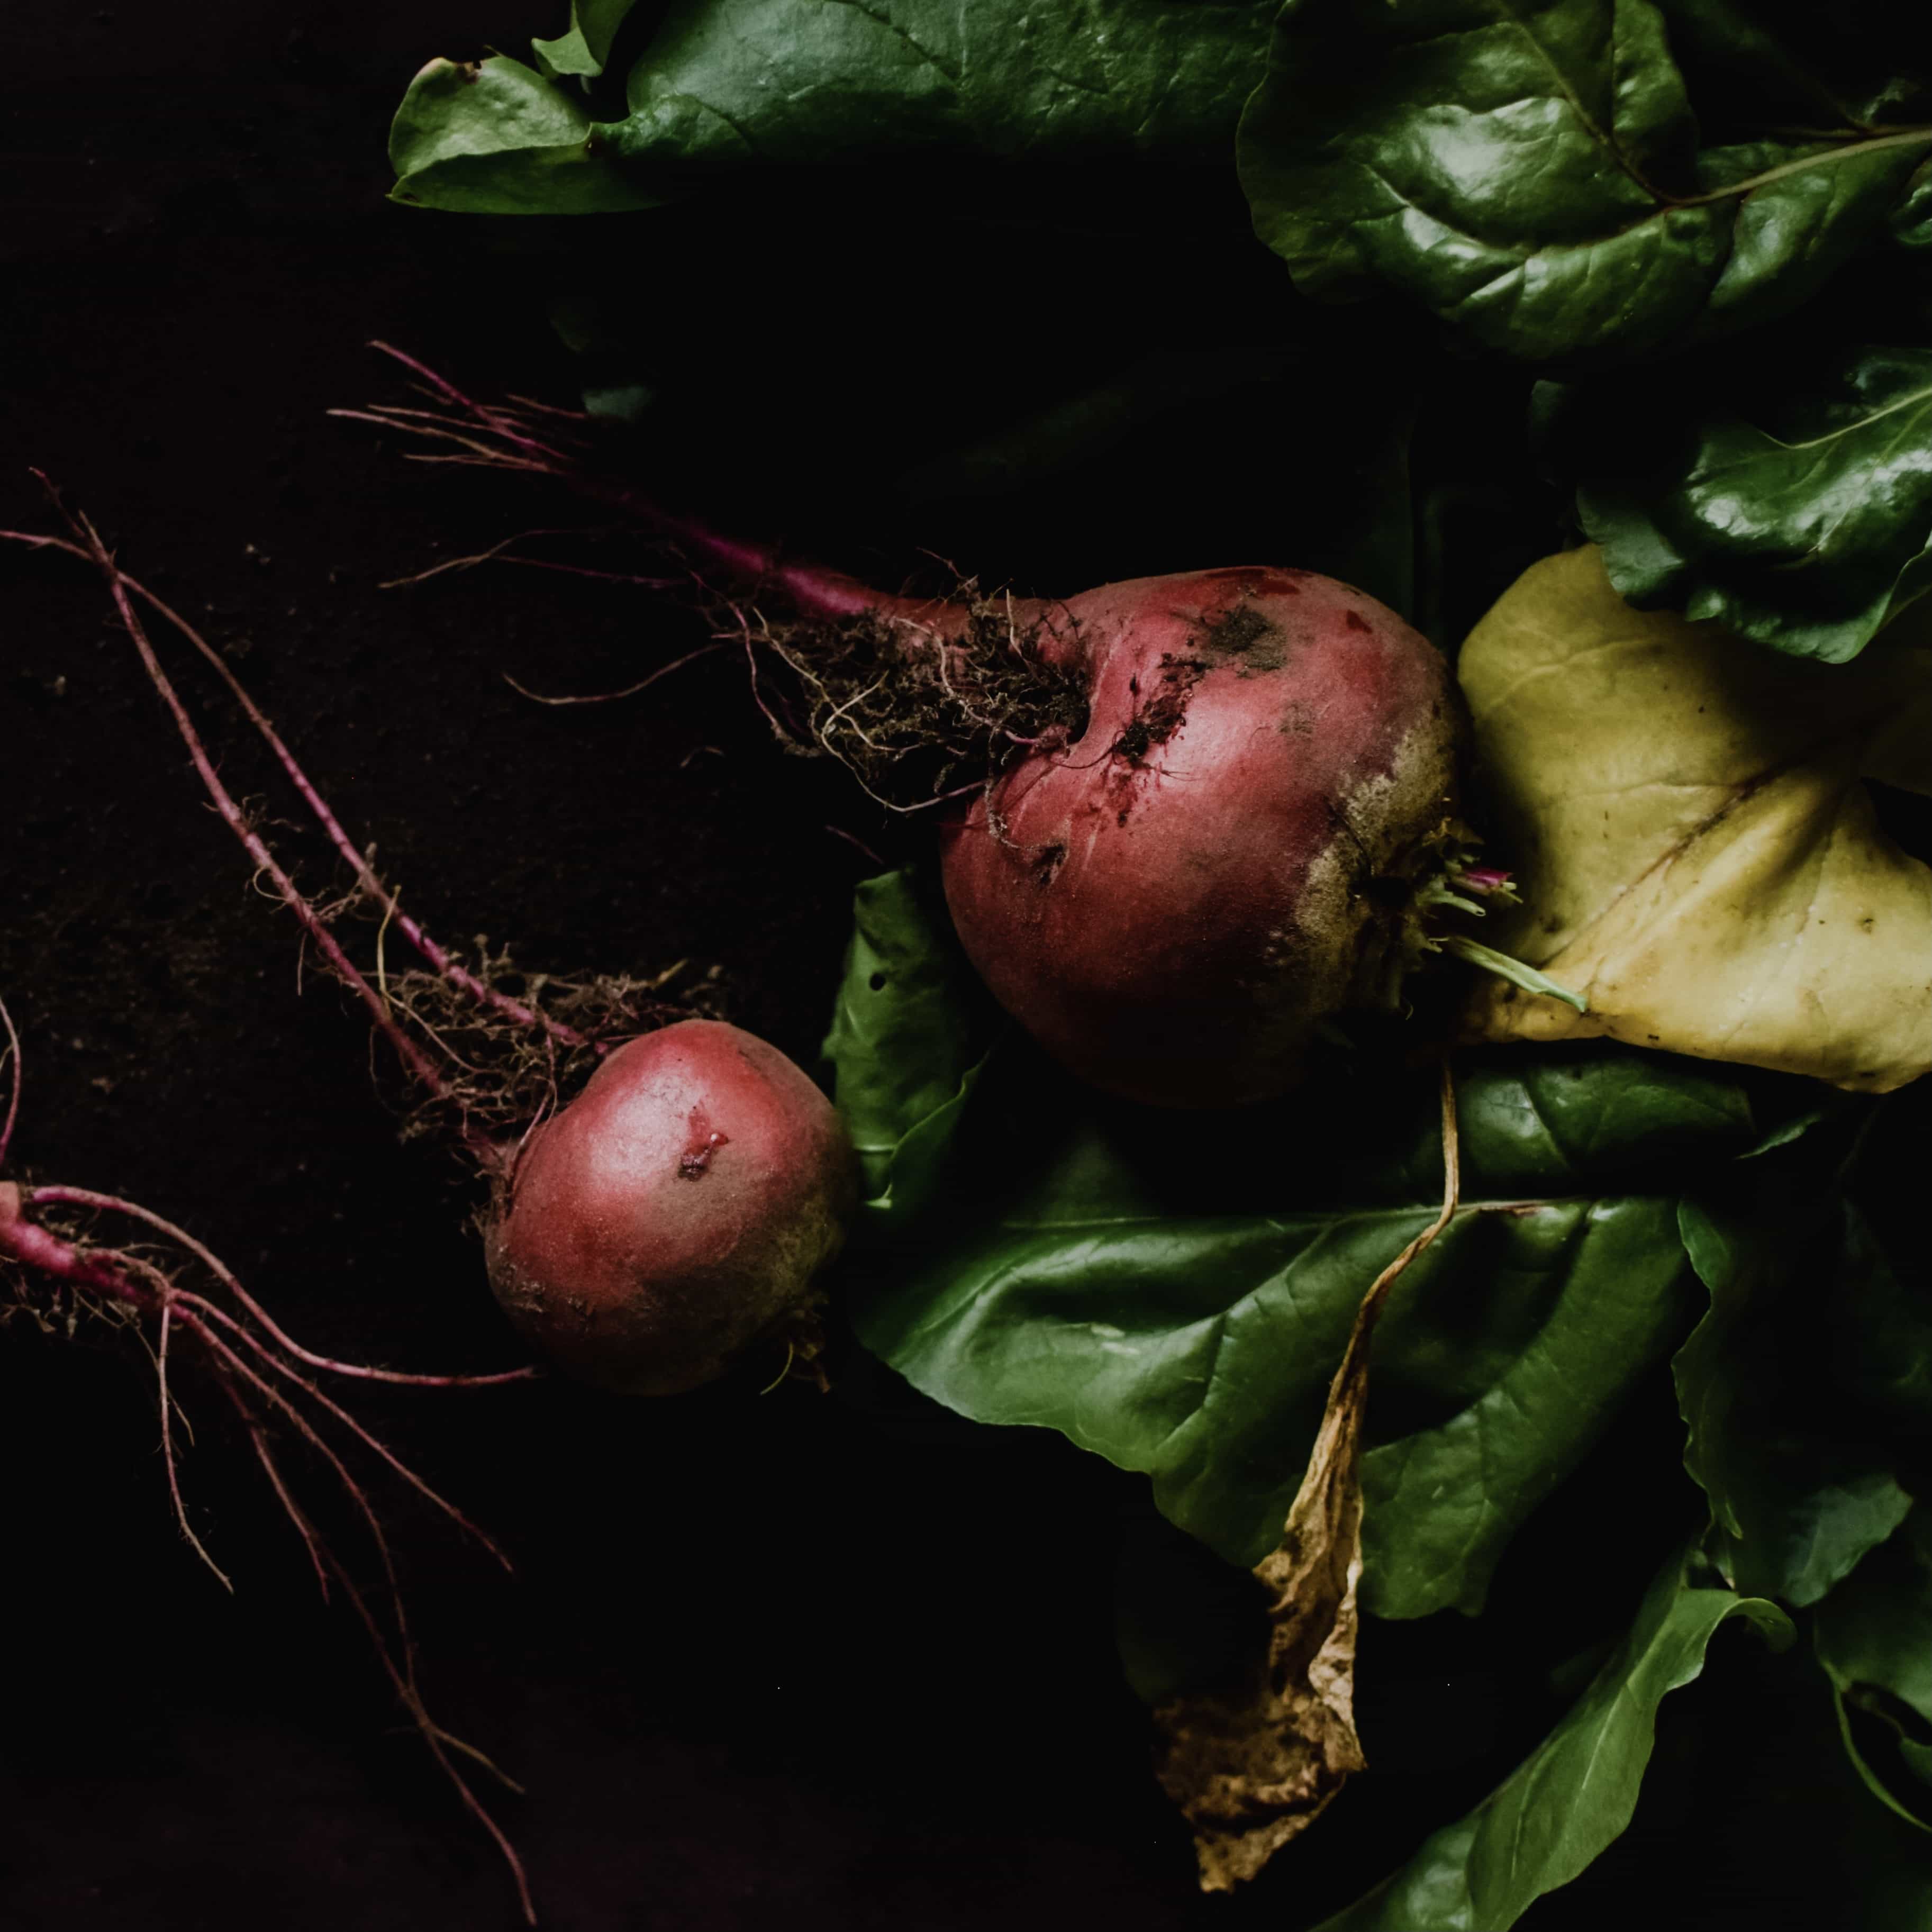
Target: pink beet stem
[(119, 1276), (290, 1505), (342, 1415), (450, 969), (436, 1739), (106, 1271), (821, 592), (109, 1204), (33, 1246), (13, 1057), (402, 1678), (168, 1457), (411, 1056)]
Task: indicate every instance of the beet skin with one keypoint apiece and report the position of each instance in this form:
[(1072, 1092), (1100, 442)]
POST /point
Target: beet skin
[(1228, 855), (679, 1209)]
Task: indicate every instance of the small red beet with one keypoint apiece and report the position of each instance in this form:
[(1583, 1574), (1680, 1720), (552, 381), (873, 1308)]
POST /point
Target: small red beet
[(680, 1209)]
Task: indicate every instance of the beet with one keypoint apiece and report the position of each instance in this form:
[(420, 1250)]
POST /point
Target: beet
[(1210, 814), (1229, 853), (679, 1211)]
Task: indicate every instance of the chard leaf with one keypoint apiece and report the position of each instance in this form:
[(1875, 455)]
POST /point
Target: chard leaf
[(584, 52), (1791, 61), (1690, 825), (720, 85), (1881, 1332), (1874, 1631), (900, 1042), (1174, 1291), (1575, 1793), (1800, 1489), (1532, 172), (1797, 511), (1874, 1636), (810, 81), (495, 137)]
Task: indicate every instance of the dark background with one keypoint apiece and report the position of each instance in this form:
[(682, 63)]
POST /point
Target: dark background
[(795, 1660)]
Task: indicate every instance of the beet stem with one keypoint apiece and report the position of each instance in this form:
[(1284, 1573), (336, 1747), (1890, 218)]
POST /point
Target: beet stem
[(450, 969), (109, 1203), (12, 1056), (1514, 970), (129, 1279), (819, 591), (231, 814), (195, 1543), (93, 550), (402, 1676)]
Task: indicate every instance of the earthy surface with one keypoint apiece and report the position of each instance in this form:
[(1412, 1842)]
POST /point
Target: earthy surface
[(778, 1661)]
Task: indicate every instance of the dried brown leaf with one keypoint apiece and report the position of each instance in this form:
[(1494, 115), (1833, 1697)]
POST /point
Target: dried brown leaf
[(1252, 1765)]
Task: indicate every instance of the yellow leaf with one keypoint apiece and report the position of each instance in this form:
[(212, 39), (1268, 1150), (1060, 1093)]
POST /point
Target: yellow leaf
[(1688, 819)]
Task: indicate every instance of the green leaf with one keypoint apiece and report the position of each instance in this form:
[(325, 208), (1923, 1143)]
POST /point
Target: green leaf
[(1875, 1630), (1575, 1793), (1795, 507), (1183, 1619), (1799, 1492), (900, 1041), (586, 49), (1174, 1291), (1530, 172), (722, 85), (1795, 62), (803, 82), (1874, 1636), (495, 137), (1911, 222), (1881, 1334)]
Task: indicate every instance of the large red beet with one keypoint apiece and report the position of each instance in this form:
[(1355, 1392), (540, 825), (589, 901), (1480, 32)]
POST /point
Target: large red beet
[(1229, 854), (1241, 845), (680, 1209)]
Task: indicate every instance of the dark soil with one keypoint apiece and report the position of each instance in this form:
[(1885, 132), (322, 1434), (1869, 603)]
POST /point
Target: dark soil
[(797, 1661)]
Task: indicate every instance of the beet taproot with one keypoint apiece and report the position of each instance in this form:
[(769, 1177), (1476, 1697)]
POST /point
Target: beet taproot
[(679, 1211), (1210, 814), (1231, 853)]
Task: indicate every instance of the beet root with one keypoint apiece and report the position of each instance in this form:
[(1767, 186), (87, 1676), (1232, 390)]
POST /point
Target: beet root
[(1234, 850), (679, 1211), (1254, 833)]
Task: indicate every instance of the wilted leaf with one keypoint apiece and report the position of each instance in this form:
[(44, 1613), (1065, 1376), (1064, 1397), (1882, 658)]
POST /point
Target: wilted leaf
[(1697, 850), (495, 137), (1532, 173), (1575, 1793), (1251, 1767), (1795, 507)]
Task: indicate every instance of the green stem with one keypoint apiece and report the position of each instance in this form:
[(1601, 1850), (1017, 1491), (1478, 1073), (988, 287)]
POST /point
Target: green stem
[(1514, 971)]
